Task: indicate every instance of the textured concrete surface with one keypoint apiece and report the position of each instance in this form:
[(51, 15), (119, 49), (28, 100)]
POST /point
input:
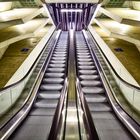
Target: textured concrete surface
[(13, 58), (130, 55)]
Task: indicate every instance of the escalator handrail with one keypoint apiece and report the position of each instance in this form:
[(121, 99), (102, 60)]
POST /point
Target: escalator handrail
[(33, 65), (6, 129), (89, 125), (58, 113), (117, 75)]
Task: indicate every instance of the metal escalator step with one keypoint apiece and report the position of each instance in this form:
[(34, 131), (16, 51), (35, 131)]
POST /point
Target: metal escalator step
[(42, 111), (84, 51), (88, 72), (60, 52), (61, 48), (91, 83), (46, 103), (81, 48), (103, 115), (99, 107), (57, 65), (96, 98), (87, 67), (93, 90), (64, 45), (53, 80), (84, 60), (80, 42), (58, 58), (48, 96), (55, 69), (89, 77), (85, 63), (54, 75), (58, 62), (51, 87), (59, 55), (83, 54), (53, 92)]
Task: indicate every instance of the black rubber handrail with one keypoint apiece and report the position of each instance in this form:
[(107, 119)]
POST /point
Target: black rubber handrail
[(57, 119), (87, 118), (117, 75), (14, 84)]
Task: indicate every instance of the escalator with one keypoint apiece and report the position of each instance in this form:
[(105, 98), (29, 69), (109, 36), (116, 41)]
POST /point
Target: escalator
[(71, 53), (105, 121), (38, 123)]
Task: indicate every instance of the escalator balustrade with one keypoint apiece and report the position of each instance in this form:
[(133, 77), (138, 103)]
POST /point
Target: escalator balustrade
[(38, 123), (106, 123)]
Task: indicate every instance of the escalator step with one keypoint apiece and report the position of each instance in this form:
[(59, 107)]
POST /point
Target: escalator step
[(96, 98), (55, 69), (81, 48), (53, 80), (87, 67), (84, 60), (48, 96), (58, 62), (89, 77), (103, 115), (52, 75), (57, 65), (88, 72), (58, 58), (91, 83), (59, 51), (42, 111), (93, 90), (51, 87), (86, 63), (59, 55), (46, 103), (99, 107), (82, 51), (84, 56), (53, 92)]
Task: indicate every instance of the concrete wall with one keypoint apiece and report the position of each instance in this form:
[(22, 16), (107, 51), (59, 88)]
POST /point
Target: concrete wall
[(23, 69), (120, 69)]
